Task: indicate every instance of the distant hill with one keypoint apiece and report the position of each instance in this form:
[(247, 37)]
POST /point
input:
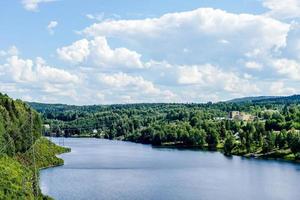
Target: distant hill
[(251, 99), (268, 99)]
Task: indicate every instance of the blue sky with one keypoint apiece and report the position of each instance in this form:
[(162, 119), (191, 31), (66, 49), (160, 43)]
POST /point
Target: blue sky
[(131, 51)]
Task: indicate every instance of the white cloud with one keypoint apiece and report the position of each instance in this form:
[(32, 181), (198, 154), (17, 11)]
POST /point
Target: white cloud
[(122, 80), (136, 88), (208, 76), (11, 87), (253, 65), (102, 17), (28, 71), (283, 9), (54, 75), (51, 26), (60, 90), (203, 31), (11, 51), (75, 53), (288, 68), (164, 59), (33, 5), (98, 53), (21, 77), (98, 17), (279, 88), (20, 70)]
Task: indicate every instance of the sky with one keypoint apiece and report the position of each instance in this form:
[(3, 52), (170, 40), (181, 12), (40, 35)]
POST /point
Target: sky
[(140, 51)]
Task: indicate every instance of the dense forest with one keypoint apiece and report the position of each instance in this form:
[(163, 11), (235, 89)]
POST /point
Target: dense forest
[(271, 131), (268, 99), (22, 150)]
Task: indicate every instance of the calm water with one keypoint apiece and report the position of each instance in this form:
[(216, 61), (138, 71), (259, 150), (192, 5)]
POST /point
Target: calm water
[(103, 169)]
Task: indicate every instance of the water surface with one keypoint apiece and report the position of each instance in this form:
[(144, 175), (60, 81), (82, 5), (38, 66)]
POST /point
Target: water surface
[(113, 170)]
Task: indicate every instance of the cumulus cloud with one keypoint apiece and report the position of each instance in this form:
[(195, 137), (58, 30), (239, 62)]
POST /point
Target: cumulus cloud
[(23, 76), (98, 53), (200, 55), (33, 5), (283, 9), (122, 80), (208, 76), (241, 49), (51, 26), (135, 88), (27, 70), (279, 88), (208, 34), (76, 52), (288, 68), (50, 84)]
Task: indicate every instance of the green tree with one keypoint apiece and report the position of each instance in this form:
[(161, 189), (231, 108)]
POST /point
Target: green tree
[(229, 143), (212, 138), (295, 144), (269, 142)]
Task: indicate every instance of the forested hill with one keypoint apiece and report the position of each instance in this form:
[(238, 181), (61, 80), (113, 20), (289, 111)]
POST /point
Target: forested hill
[(268, 99), (251, 99), (23, 151), (16, 133)]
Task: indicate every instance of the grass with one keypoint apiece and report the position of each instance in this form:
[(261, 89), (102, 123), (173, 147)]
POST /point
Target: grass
[(17, 174)]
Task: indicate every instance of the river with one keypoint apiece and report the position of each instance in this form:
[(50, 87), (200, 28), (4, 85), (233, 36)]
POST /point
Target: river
[(115, 170)]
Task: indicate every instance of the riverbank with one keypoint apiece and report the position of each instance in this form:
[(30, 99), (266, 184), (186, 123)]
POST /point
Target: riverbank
[(276, 154), (19, 175)]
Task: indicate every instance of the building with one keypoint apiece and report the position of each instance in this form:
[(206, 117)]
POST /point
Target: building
[(237, 115), (234, 114)]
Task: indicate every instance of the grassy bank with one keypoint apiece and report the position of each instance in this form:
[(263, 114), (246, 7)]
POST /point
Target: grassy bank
[(18, 177)]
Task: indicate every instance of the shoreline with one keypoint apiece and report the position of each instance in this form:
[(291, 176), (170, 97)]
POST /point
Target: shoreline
[(196, 147), (220, 150), (57, 165), (54, 161)]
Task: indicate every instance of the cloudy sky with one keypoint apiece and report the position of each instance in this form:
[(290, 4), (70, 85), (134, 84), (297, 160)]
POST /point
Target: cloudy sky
[(132, 51)]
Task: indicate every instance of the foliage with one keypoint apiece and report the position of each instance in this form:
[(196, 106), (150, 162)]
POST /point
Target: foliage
[(15, 180), (45, 154), (17, 175), (16, 132), (229, 143), (20, 134), (188, 125)]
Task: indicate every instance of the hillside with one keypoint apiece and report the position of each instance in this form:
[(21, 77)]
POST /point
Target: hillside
[(280, 100), (20, 145), (268, 99), (250, 99)]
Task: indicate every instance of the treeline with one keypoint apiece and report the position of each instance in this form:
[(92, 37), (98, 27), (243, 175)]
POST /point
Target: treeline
[(293, 99), (283, 100), (273, 132)]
